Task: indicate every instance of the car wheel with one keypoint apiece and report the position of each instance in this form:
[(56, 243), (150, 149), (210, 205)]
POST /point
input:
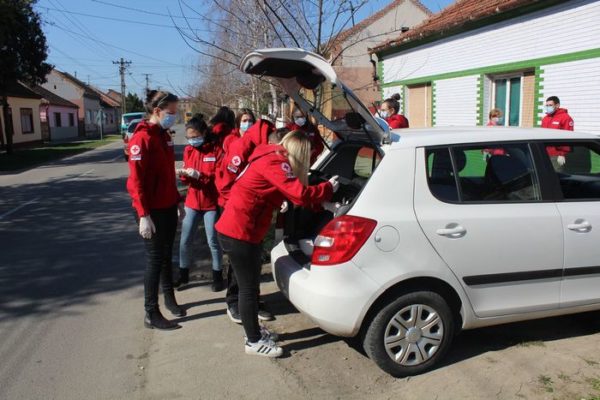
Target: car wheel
[(410, 334)]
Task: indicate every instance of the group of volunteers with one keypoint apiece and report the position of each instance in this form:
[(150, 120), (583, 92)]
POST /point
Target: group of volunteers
[(238, 171)]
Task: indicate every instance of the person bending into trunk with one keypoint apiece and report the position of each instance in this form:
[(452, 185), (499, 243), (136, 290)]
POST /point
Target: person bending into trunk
[(274, 173), (200, 159)]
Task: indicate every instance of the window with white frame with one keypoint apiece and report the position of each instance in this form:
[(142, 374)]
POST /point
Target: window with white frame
[(507, 95)]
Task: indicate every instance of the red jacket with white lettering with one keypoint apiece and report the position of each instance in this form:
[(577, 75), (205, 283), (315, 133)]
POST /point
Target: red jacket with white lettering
[(202, 193), (261, 189), (397, 121), (237, 155), (560, 119), (152, 182), (316, 142)]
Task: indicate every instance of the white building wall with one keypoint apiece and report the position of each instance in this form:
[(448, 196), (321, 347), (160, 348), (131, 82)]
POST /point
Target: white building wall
[(577, 85), (522, 38), (456, 101), (16, 104), (389, 91)]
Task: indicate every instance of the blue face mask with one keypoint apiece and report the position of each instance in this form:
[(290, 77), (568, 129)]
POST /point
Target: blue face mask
[(168, 121), (244, 126), (549, 109), (196, 142)]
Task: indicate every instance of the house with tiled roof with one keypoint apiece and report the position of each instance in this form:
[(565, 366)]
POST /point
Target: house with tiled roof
[(349, 51), (24, 111), (477, 55), (111, 111), (85, 97), (57, 115)]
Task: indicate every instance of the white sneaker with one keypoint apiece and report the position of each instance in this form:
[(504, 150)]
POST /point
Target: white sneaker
[(264, 347), (271, 335)]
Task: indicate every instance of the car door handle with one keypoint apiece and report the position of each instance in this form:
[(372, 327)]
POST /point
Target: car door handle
[(580, 225), (452, 232)]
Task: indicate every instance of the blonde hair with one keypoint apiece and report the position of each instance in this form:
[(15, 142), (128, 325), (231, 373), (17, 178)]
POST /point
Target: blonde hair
[(297, 145)]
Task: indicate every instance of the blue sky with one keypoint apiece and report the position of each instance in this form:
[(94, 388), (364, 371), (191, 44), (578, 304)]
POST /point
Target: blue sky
[(80, 42)]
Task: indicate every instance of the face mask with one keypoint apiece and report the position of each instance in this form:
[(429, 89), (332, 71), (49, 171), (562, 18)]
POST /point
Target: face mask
[(384, 114), (168, 121), (300, 121), (196, 142), (244, 126), (549, 109)]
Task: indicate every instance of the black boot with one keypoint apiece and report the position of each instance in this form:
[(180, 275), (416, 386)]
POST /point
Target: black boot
[(217, 284), (155, 320), (183, 278), (172, 305)]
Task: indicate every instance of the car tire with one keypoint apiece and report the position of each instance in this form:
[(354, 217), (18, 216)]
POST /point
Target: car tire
[(396, 332)]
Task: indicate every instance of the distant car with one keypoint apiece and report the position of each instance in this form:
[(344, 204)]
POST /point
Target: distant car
[(432, 237), (127, 118), (127, 135)]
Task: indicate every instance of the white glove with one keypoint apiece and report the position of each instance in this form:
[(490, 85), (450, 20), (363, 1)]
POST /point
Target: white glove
[(181, 211), (180, 171), (335, 183), (561, 160), (284, 207), (192, 173), (147, 227), (331, 207), (486, 155)]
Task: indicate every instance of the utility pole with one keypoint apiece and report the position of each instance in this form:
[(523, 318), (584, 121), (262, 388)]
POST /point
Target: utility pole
[(122, 68), (147, 82)]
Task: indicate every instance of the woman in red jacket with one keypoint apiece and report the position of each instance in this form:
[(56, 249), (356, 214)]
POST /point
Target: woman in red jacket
[(244, 120), (301, 123), (200, 159), (389, 111), (275, 173), (153, 189)]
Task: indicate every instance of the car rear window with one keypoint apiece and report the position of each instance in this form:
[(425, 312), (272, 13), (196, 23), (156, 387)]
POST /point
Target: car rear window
[(483, 173)]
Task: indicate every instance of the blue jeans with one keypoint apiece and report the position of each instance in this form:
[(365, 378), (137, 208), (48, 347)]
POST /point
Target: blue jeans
[(188, 232)]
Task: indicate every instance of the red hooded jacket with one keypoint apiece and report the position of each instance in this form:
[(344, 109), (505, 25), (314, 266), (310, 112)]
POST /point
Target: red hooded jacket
[(221, 130), (237, 155), (152, 182), (397, 121), (202, 193), (560, 119), (316, 142), (232, 137), (261, 189)]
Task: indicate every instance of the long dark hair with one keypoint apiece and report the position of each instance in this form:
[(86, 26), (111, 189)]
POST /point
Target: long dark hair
[(223, 115), (241, 113), (158, 98)]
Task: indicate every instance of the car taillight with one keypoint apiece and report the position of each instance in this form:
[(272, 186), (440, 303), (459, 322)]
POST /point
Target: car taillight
[(341, 239)]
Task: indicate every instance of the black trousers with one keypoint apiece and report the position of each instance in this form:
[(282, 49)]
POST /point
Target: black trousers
[(159, 254), (246, 262)]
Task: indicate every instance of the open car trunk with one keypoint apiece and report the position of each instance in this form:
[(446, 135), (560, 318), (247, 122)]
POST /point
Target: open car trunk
[(313, 84)]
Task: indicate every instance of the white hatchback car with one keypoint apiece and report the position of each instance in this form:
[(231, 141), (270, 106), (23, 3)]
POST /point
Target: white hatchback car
[(440, 229)]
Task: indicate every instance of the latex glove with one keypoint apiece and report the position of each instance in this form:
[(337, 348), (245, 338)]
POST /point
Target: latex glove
[(181, 211), (284, 207), (561, 160), (180, 171), (331, 207), (486, 155), (192, 173), (147, 228), (335, 183)]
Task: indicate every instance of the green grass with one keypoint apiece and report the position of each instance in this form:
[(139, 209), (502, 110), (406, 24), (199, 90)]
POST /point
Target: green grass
[(30, 157), (546, 382)]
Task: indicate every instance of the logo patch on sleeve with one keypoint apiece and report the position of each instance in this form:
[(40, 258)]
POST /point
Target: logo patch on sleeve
[(287, 168), (135, 150), (236, 161), (137, 157)]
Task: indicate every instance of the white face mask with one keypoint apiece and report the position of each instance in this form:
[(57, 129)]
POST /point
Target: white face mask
[(384, 114), (300, 121)]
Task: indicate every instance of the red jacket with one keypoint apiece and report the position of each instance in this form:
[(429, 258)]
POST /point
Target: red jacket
[(237, 155), (151, 183), (316, 142), (202, 193), (232, 137), (560, 119), (261, 189), (397, 121)]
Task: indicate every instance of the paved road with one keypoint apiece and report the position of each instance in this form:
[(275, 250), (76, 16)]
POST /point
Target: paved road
[(71, 267)]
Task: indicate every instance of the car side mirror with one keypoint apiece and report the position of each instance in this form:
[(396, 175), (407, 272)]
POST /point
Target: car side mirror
[(354, 120)]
